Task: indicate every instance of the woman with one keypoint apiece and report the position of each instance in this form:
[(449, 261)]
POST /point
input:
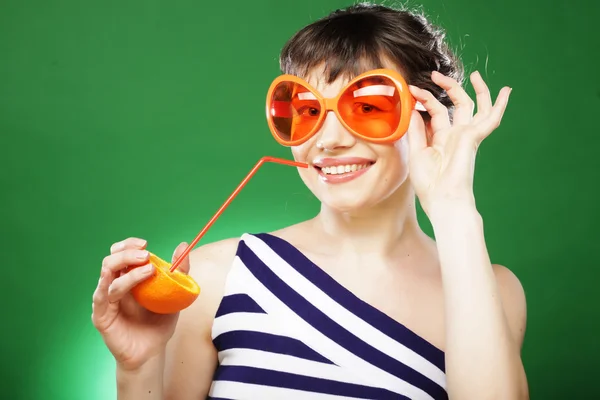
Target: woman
[(356, 302)]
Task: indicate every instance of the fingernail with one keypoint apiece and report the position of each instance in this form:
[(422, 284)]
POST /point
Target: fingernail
[(146, 269), (117, 247), (141, 254)]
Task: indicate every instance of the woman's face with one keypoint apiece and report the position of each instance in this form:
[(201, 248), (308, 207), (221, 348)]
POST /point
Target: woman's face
[(376, 170)]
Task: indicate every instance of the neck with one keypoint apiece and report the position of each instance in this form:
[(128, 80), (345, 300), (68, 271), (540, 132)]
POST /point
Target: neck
[(385, 230)]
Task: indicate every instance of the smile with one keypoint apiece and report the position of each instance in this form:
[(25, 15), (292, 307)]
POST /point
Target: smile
[(342, 172), (342, 169)]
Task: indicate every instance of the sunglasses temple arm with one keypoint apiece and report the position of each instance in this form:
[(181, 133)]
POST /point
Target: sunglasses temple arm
[(230, 199)]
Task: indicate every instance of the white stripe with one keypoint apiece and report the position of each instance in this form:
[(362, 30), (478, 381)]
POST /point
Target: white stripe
[(248, 391), (341, 315), (233, 284), (321, 343), (289, 364), (253, 322), (375, 90)]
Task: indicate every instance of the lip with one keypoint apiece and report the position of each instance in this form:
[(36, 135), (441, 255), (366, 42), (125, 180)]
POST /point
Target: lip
[(341, 178)]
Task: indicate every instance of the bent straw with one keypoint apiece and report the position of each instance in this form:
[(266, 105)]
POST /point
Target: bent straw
[(228, 201)]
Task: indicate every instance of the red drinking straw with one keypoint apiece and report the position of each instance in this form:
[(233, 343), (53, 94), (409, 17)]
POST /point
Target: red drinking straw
[(228, 201)]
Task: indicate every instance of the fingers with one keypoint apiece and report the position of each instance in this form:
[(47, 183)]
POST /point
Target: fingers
[(185, 263), (494, 117), (100, 302), (417, 137), (115, 279), (117, 262), (439, 113), (130, 243), (482, 93), (463, 104), (488, 115), (123, 284)]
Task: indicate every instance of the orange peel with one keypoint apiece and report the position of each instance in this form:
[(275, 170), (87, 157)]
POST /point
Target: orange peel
[(165, 292)]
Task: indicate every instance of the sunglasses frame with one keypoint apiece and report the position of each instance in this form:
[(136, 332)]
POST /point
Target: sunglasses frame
[(407, 104)]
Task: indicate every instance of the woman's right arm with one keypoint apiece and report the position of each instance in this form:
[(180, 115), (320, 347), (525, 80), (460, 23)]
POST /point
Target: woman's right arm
[(145, 382), (185, 369)]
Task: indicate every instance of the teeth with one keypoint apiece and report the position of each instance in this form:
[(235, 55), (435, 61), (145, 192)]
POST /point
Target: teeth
[(341, 169)]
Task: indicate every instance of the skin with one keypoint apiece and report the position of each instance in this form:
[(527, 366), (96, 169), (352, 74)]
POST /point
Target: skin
[(367, 237)]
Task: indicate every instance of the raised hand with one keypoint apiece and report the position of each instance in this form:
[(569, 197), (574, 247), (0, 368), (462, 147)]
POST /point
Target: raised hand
[(442, 155)]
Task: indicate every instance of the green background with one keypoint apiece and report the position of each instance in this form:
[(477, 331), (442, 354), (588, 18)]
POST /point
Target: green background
[(116, 120)]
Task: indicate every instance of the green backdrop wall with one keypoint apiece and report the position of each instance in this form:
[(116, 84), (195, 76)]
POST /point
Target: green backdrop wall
[(116, 120)]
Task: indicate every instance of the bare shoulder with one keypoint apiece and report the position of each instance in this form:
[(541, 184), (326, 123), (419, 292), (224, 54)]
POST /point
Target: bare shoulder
[(209, 266), (513, 300), (212, 261), (191, 356), (296, 234)]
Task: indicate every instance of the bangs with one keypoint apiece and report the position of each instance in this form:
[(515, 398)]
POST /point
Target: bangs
[(342, 47)]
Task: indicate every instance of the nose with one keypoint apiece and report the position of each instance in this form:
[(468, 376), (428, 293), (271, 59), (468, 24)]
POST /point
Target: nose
[(333, 135)]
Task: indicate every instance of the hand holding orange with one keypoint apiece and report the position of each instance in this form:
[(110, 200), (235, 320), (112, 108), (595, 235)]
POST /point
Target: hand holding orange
[(137, 301)]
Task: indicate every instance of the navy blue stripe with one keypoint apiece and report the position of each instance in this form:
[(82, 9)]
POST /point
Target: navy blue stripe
[(267, 342), (216, 398), (348, 300), (320, 321), (265, 377), (238, 303)]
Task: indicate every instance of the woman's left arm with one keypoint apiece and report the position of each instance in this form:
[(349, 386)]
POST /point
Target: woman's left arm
[(485, 309)]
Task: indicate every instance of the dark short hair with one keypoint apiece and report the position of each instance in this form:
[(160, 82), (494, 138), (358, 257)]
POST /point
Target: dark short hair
[(355, 39)]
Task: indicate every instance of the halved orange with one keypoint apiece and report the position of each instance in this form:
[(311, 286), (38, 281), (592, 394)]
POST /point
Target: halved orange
[(166, 292)]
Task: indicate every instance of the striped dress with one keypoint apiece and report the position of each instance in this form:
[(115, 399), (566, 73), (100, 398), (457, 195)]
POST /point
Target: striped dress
[(285, 329)]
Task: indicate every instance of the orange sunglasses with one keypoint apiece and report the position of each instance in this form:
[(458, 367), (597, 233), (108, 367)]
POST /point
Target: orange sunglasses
[(374, 106)]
